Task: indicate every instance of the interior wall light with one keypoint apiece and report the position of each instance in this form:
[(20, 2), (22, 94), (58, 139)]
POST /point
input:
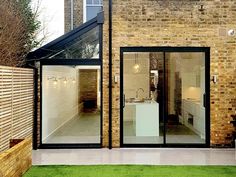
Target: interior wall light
[(136, 67), (64, 79), (54, 80), (73, 80)]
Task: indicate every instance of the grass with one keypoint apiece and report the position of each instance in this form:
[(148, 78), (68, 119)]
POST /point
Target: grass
[(131, 171)]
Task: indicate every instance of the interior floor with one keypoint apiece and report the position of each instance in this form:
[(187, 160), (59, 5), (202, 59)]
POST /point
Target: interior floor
[(176, 134), (81, 129)]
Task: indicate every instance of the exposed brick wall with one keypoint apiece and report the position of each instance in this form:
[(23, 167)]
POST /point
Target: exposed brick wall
[(78, 14), (87, 85), (105, 139), (177, 23), (17, 160)]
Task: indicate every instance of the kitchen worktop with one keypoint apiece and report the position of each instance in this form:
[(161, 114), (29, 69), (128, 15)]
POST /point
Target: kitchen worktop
[(138, 103), (192, 100)]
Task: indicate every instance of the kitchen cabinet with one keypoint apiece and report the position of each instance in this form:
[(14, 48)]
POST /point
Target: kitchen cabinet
[(145, 117), (193, 109)]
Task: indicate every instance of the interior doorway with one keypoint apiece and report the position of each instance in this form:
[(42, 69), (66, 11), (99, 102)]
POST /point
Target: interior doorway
[(165, 96)]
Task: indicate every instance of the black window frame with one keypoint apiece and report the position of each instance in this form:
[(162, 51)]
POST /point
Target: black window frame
[(42, 56), (165, 49)]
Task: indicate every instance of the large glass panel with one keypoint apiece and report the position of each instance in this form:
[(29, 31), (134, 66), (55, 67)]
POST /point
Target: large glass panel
[(71, 104), (86, 46), (185, 86), (143, 105)]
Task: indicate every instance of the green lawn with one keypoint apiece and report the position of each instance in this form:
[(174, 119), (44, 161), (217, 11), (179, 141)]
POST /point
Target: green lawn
[(131, 171)]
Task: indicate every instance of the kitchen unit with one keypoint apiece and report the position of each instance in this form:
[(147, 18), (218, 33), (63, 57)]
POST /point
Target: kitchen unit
[(144, 117), (194, 116)]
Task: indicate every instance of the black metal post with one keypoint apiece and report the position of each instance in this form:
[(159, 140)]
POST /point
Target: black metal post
[(35, 124)]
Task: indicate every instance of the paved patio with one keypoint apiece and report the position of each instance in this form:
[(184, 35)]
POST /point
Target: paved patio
[(157, 156)]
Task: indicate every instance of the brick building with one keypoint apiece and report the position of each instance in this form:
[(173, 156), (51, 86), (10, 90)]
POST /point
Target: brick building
[(164, 75)]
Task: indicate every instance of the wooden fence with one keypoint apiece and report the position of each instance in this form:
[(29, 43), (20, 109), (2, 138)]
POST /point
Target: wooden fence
[(16, 104)]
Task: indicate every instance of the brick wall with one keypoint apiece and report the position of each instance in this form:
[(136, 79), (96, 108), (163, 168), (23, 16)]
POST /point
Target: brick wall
[(87, 85), (17, 160), (78, 14), (177, 23), (105, 139)]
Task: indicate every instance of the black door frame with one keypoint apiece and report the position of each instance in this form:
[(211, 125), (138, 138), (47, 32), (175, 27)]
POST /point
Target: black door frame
[(69, 62), (206, 50)]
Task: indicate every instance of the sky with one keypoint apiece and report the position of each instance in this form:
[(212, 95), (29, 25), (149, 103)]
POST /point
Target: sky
[(51, 15)]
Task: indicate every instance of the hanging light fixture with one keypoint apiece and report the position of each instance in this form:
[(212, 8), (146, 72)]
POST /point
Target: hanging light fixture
[(136, 67)]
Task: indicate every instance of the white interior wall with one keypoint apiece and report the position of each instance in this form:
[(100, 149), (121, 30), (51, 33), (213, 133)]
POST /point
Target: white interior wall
[(188, 64), (59, 101), (190, 70), (98, 88)]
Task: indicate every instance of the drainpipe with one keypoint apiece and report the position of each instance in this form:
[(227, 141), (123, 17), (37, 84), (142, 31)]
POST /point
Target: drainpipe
[(71, 14), (110, 74)]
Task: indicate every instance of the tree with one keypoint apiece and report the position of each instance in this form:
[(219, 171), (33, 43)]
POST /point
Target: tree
[(18, 30)]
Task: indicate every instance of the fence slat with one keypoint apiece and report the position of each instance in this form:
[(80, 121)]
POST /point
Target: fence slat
[(16, 104)]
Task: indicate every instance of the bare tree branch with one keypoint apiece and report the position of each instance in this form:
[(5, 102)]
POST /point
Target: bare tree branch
[(18, 30)]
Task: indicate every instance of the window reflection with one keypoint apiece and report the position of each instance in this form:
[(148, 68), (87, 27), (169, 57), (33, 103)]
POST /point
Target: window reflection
[(85, 46)]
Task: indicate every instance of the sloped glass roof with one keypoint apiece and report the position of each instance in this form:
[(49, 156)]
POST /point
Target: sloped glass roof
[(82, 47), (80, 43)]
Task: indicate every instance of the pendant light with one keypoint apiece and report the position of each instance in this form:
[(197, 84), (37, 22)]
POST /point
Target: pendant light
[(136, 67)]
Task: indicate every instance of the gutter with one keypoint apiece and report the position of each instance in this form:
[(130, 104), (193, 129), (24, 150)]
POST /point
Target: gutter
[(110, 74)]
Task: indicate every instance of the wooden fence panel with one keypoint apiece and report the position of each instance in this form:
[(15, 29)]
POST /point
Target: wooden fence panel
[(16, 104)]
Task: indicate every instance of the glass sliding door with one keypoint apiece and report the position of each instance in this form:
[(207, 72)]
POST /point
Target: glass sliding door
[(71, 104), (185, 104), (142, 100), (165, 96)]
